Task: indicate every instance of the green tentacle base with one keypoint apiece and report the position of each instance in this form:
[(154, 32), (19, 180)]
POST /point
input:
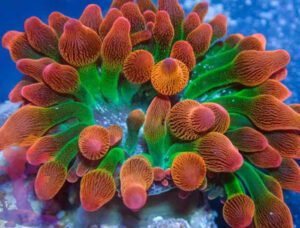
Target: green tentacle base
[(90, 79), (109, 83), (112, 159)]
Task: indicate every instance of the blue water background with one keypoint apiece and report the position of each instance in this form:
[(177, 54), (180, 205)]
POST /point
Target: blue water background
[(278, 20)]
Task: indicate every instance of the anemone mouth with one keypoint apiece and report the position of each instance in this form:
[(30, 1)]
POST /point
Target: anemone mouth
[(156, 100)]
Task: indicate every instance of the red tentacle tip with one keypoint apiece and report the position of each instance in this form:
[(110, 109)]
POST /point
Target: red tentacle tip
[(61, 78), (92, 17), (94, 142), (169, 76), (79, 45), (49, 180), (135, 197), (238, 211), (96, 189), (41, 37)]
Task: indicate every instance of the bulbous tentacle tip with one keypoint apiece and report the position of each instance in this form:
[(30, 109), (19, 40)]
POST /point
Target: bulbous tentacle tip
[(112, 15), (191, 22), (163, 31), (135, 120), (201, 9), (175, 11), (149, 16), (123, 24), (72, 177), (8, 37), (97, 187), (154, 126), (94, 142), (254, 67), (188, 171), (261, 38), (200, 39), (57, 20), (32, 21), (137, 66), (169, 76), (134, 166), (132, 12), (285, 118), (41, 37), (219, 154), (79, 45), (134, 197), (72, 25), (188, 120), (91, 16), (183, 51), (247, 139), (288, 174), (117, 44), (202, 119), (169, 66), (136, 177), (238, 211), (41, 95), (15, 95), (61, 78), (281, 57), (33, 68), (267, 158), (25, 126), (49, 180), (42, 151), (159, 174), (150, 27), (275, 88), (18, 45), (271, 211), (219, 25)]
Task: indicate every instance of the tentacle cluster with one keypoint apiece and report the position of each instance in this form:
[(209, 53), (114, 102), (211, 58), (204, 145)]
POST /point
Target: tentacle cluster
[(215, 113)]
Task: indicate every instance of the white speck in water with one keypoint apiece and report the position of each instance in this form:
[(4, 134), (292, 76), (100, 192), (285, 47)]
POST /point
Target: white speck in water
[(158, 218)]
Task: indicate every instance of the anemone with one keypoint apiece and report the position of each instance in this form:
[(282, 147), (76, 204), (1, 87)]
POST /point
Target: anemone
[(198, 109)]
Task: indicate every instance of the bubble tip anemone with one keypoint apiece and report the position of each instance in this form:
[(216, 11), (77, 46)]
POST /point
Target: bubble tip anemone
[(216, 109)]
